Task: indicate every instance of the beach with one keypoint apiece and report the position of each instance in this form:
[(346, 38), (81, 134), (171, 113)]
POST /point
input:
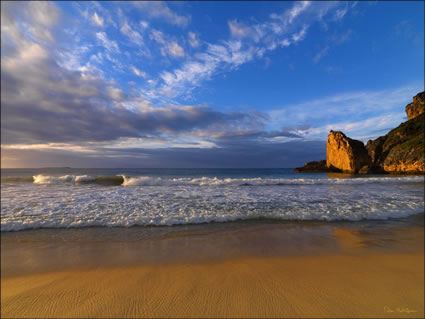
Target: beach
[(307, 270), (210, 243), (212, 159), (389, 285)]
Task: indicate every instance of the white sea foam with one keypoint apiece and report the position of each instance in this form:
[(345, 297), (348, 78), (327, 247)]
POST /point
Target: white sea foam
[(171, 201), (215, 181)]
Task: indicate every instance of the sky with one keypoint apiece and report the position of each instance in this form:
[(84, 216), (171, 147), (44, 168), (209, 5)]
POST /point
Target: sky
[(202, 84)]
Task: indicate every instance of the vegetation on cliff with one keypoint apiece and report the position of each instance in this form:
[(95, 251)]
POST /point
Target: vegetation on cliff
[(417, 107), (402, 150)]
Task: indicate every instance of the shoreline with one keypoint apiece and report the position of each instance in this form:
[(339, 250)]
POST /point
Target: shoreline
[(388, 285), (370, 269), (47, 250)]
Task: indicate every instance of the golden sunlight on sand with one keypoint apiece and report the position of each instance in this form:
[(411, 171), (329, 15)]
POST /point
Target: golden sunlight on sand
[(361, 286)]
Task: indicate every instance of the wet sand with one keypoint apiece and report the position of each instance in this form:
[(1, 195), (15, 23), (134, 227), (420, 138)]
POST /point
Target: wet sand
[(354, 271)]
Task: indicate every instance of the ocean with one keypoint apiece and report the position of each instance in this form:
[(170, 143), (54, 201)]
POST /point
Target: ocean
[(63, 198)]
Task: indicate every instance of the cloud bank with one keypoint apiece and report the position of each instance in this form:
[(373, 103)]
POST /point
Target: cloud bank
[(63, 103)]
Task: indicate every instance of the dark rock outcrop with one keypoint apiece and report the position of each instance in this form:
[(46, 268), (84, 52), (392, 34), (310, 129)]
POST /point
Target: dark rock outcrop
[(345, 154), (417, 107), (313, 167), (366, 170)]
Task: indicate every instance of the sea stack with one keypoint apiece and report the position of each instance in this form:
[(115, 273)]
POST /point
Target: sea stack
[(345, 154)]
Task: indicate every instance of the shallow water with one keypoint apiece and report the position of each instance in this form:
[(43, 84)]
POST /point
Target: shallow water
[(44, 250), (72, 198), (73, 218)]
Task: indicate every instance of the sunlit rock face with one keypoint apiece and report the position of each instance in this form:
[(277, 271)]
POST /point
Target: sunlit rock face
[(345, 154), (401, 150), (417, 107)]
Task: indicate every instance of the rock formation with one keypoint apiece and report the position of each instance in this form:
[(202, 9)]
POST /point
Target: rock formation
[(400, 151), (417, 107), (315, 166), (345, 154)]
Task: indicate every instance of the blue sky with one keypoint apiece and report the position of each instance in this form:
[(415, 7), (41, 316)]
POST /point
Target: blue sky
[(202, 84)]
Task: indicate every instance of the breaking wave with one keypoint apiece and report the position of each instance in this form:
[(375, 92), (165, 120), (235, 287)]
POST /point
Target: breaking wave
[(116, 199), (78, 179), (214, 181), (205, 181), (75, 201)]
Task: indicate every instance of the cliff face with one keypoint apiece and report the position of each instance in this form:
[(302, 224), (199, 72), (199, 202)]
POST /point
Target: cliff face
[(401, 150), (345, 154), (417, 107)]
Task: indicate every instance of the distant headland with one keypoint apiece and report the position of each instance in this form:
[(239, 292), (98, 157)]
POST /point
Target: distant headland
[(400, 151)]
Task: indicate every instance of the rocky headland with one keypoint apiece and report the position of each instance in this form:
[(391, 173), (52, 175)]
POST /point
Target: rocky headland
[(400, 151)]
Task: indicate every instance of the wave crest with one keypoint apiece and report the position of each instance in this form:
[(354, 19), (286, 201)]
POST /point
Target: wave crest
[(78, 179), (258, 181), (206, 181)]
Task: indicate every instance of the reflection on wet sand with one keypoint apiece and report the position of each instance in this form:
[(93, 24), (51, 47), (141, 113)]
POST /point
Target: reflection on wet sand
[(348, 239), (50, 249), (242, 269)]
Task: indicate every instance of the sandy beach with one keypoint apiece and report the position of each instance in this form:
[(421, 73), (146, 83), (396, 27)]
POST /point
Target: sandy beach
[(364, 270), (379, 285)]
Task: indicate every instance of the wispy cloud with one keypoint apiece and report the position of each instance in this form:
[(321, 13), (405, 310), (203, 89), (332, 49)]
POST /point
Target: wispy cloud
[(95, 13), (97, 20), (185, 79), (133, 35), (169, 47), (246, 43), (300, 35), (194, 40), (289, 16), (174, 49), (367, 110), (340, 13), (332, 41), (137, 72), (161, 10), (238, 30), (109, 45), (322, 53)]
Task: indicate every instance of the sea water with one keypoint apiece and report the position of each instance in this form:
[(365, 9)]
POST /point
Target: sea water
[(75, 198)]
